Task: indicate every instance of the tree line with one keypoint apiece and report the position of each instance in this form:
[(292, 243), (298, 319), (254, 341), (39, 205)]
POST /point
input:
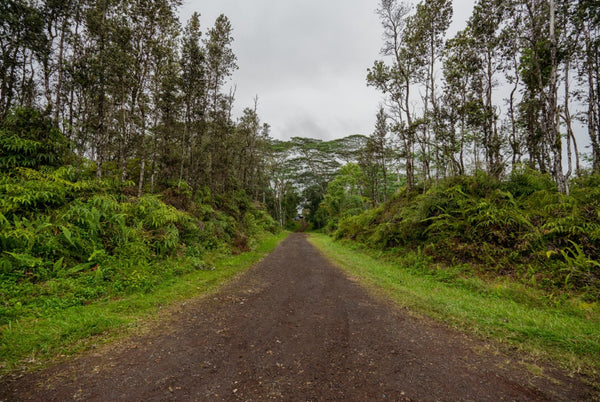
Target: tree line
[(509, 89), (144, 98), (137, 94)]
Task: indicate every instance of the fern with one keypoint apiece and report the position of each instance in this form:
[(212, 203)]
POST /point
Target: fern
[(166, 241), (28, 139), (579, 270)]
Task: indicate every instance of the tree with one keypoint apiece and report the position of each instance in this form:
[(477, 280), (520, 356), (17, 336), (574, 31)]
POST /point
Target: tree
[(280, 172), (395, 80), (344, 195), (29, 139), (462, 78), (484, 25), (220, 64), (539, 70), (22, 42), (509, 41), (587, 22), (374, 160), (247, 150), (155, 30), (414, 43), (427, 33), (195, 92), (58, 19)]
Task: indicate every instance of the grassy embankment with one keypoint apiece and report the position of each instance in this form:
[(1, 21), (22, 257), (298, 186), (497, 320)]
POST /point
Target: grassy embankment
[(33, 341), (80, 256), (567, 331)]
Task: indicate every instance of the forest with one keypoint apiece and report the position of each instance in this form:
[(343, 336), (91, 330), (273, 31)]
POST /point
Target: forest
[(122, 162)]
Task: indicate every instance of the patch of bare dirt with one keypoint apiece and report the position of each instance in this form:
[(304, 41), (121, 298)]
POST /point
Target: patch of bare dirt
[(294, 328)]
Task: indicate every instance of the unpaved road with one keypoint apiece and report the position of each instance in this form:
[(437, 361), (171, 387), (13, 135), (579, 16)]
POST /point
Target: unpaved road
[(295, 328)]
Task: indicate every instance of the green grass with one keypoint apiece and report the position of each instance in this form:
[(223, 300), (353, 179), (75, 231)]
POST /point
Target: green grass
[(33, 341), (566, 331)]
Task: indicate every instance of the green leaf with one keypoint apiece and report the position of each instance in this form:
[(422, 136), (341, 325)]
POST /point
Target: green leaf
[(67, 234)]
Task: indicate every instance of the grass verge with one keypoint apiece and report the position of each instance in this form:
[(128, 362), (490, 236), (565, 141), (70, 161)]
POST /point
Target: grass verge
[(566, 331), (32, 342)]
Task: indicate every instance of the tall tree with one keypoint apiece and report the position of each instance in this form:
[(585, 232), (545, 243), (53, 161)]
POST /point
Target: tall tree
[(427, 33), (22, 43), (95, 77), (462, 78), (221, 62), (374, 160), (587, 20), (58, 20), (539, 69), (155, 29), (194, 90), (485, 26), (395, 80)]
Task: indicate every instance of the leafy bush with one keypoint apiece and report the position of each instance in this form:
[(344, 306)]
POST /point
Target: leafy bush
[(343, 198), (496, 226), (28, 139), (68, 240)]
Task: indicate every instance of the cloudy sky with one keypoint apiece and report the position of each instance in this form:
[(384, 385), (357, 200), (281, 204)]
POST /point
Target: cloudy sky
[(306, 60)]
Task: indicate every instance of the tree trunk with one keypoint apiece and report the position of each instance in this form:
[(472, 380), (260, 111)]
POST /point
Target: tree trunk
[(552, 117)]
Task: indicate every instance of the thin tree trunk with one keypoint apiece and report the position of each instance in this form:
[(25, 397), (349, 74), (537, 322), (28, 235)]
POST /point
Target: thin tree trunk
[(141, 180), (61, 49), (552, 118)]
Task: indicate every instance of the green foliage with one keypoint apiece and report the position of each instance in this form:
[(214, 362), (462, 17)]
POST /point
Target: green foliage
[(344, 196), (67, 318), (500, 227), (28, 139), (68, 240)]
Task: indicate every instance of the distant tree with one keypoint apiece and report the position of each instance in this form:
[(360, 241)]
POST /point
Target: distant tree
[(281, 175), (344, 195), (247, 150)]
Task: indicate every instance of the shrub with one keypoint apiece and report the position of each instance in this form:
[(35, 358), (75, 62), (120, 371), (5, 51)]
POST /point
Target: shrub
[(498, 226), (28, 139)]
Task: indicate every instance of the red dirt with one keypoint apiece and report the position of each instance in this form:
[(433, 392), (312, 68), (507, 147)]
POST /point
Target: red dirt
[(294, 327)]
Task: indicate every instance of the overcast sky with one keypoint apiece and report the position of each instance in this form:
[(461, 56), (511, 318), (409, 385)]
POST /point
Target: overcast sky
[(306, 60)]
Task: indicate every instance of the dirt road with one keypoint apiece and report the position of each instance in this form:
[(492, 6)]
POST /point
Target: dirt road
[(296, 328)]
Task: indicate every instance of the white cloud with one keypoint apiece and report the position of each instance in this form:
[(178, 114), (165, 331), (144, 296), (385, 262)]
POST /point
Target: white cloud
[(306, 61)]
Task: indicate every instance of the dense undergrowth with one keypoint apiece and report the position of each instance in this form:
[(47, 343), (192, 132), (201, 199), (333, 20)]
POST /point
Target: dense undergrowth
[(69, 239), (521, 228)]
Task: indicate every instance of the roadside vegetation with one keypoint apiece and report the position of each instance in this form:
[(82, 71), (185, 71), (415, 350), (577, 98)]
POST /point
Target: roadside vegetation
[(513, 260), (36, 339), (564, 329), (124, 175), (521, 229), (481, 208), (82, 255)]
